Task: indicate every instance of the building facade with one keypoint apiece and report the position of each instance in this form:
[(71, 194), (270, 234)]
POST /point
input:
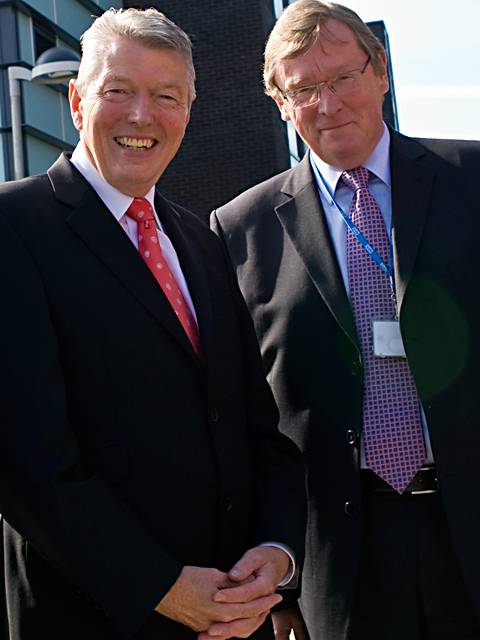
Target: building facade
[(27, 29), (235, 137)]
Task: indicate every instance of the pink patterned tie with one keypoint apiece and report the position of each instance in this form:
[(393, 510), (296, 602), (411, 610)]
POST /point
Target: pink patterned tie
[(392, 428), (149, 247)]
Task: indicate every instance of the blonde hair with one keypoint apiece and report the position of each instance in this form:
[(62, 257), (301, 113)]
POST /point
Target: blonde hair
[(148, 27), (302, 24)]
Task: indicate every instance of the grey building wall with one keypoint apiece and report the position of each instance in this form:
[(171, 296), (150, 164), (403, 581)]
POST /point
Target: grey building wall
[(235, 137)]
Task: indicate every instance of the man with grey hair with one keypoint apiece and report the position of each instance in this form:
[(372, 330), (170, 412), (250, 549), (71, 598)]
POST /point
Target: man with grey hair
[(359, 267), (142, 477)]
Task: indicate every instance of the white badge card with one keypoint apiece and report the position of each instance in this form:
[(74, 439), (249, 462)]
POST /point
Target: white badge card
[(387, 339)]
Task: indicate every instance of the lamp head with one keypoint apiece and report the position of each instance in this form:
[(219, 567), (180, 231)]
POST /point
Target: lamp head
[(56, 65)]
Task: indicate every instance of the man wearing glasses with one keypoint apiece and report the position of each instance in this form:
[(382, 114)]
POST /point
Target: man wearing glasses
[(360, 268)]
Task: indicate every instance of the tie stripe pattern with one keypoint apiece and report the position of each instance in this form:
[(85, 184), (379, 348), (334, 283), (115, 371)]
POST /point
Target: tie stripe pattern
[(149, 248), (392, 429)]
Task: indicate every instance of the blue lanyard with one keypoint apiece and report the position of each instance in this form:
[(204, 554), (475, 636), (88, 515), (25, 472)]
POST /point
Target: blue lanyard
[(388, 270)]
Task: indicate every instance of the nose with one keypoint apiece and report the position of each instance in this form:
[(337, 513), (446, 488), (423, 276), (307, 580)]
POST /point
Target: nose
[(329, 102), (141, 110)]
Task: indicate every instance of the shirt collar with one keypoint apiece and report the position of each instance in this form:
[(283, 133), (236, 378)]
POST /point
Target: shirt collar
[(115, 201), (378, 164)]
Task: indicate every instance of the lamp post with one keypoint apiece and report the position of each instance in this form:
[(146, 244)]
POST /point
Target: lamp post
[(54, 66)]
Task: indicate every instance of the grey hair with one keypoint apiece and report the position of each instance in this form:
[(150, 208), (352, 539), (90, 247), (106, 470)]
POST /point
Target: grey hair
[(302, 24), (148, 27)]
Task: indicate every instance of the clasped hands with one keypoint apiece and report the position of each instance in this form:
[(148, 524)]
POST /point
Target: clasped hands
[(224, 605)]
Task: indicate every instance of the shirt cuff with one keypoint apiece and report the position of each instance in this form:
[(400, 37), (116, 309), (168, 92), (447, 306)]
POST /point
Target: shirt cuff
[(292, 566)]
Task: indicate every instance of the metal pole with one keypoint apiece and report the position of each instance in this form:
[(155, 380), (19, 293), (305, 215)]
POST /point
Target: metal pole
[(15, 74)]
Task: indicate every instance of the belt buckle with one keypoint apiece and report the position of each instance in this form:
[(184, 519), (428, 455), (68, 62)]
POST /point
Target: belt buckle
[(426, 471), (423, 492)]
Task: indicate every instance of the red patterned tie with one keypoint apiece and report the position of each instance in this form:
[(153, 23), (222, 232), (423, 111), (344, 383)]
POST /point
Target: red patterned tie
[(392, 428), (149, 247)]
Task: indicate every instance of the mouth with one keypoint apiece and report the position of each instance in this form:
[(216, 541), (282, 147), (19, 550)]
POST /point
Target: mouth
[(336, 126), (135, 144)]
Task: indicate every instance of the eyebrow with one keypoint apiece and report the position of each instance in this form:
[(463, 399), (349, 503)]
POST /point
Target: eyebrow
[(301, 83), (128, 80), (113, 78)]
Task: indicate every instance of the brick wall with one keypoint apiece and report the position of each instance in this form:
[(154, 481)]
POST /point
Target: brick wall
[(235, 137)]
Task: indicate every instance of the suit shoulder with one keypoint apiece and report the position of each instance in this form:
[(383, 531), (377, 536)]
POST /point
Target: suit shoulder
[(459, 153), (19, 197), (263, 196), (24, 188)]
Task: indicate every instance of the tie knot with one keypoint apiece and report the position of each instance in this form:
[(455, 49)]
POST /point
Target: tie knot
[(140, 210), (356, 178)]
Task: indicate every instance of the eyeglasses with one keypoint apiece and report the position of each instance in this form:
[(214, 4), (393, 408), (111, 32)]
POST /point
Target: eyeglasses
[(342, 85)]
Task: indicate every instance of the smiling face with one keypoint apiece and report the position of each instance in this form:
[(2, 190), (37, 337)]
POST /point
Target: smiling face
[(342, 131), (133, 114)]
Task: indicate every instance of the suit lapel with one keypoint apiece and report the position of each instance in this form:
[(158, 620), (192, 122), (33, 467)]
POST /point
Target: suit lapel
[(102, 235), (304, 221), (412, 181)]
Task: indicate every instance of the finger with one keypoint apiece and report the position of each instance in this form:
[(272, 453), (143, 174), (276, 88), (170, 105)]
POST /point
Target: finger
[(241, 628), (226, 583), (247, 565), (227, 612), (246, 592)]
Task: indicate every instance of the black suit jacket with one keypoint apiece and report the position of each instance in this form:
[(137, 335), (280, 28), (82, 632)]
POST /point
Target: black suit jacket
[(123, 456), (278, 241)]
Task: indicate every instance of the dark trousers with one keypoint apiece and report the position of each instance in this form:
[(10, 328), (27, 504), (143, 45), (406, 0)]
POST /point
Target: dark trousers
[(411, 587)]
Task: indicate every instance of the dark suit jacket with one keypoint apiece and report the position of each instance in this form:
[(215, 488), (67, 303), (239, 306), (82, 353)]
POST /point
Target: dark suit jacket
[(123, 457), (278, 241)]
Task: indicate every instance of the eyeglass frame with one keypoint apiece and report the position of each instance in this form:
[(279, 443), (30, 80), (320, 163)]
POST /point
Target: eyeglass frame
[(326, 83)]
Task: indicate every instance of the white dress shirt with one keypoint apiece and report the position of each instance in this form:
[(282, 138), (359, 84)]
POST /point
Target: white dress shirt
[(117, 203)]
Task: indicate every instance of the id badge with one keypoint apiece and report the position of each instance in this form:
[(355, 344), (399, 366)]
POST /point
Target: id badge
[(387, 340)]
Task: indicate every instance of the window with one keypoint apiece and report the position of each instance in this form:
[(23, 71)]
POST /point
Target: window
[(43, 39)]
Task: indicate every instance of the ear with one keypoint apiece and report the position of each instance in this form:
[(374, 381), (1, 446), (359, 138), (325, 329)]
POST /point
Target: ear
[(283, 107), (383, 75), (75, 105)]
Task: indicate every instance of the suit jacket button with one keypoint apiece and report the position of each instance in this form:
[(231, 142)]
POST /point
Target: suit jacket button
[(214, 415), (349, 508), (351, 436), (356, 367), (227, 505)]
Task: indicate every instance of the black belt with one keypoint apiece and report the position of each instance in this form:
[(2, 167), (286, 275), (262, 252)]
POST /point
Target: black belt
[(424, 482)]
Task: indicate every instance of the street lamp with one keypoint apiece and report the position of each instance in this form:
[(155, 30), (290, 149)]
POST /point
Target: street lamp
[(54, 66)]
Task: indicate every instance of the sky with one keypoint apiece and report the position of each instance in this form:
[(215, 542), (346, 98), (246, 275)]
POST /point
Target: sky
[(435, 55)]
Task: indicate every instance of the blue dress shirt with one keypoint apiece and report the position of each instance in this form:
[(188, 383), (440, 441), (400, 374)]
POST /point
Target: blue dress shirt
[(380, 187)]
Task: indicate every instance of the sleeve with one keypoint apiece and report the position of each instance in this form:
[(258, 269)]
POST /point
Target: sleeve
[(78, 525), (280, 496)]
